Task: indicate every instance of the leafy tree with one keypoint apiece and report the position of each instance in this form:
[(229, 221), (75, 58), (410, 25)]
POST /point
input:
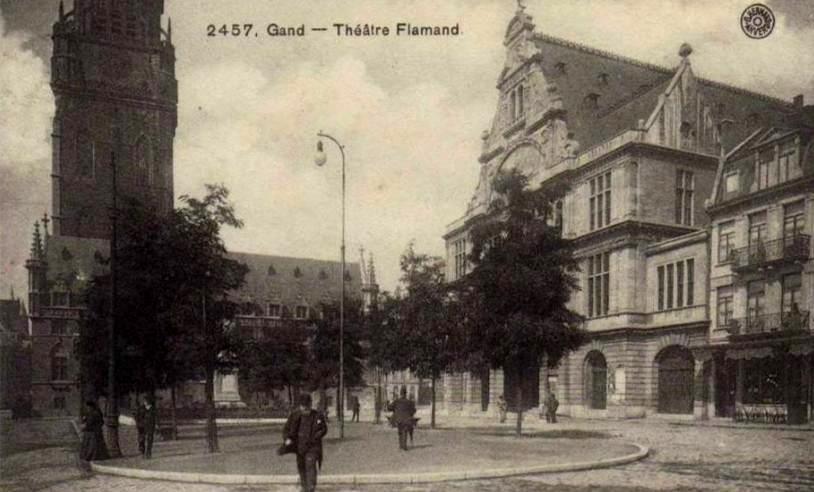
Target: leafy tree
[(382, 338), (323, 368), (524, 273), (429, 334), (171, 311), (274, 363)]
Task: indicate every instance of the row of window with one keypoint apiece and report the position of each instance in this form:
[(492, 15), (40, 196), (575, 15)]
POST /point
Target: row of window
[(676, 284), (272, 310), (145, 165), (791, 295), (771, 166), (793, 225)]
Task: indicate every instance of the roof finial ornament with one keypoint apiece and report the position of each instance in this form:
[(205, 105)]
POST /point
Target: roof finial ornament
[(61, 11), (169, 29), (521, 5), (685, 50)]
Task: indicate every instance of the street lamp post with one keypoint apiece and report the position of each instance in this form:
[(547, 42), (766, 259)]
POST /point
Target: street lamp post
[(320, 159)]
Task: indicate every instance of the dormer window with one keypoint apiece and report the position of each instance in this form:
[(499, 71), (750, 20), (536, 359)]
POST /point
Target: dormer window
[(560, 66), (275, 310), (297, 272), (271, 271), (301, 312), (322, 274), (602, 78), (591, 101)]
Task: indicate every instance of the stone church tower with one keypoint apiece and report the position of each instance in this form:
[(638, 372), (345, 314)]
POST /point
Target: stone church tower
[(113, 77)]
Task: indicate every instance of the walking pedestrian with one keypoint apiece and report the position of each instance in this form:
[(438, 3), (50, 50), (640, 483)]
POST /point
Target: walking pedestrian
[(403, 412), (355, 407), (145, 425), (93, 446), (551, 408), (501, 408), (304, 431)]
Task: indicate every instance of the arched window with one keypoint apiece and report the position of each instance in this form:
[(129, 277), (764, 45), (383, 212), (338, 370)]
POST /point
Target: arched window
[(596, 380)]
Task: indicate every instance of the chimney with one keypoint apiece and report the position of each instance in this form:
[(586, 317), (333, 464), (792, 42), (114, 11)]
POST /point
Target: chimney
[(798, 101)]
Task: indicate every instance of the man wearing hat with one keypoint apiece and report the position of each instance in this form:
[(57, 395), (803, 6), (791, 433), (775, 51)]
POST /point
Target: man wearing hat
[(403, 411), (304, 431)]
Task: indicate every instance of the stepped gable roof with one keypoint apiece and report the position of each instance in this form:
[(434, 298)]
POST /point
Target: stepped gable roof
[(75, 260), (627, 90), (294, 281)]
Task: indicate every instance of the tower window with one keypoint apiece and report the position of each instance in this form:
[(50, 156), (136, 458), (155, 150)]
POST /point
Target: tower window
[(86, 155), (560, 66), (602, 78)]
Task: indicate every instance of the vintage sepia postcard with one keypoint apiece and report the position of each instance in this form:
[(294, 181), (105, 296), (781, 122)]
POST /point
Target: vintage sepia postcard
[(380, 245)]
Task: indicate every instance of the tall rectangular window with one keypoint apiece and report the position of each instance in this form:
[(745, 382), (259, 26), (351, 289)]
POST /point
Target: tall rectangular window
[(757, 228), (59, 367), (459, 260), (670, 269), (685, 188), (793, 219), (792, 291), (679, 284), (787, 161), (690, 282), (661, 287), (598, 284), (764, 163), (725, 308), (726, 240), (599, 204), (755, 298)]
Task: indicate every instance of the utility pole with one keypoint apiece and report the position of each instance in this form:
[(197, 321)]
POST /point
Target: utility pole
[(112, 414)]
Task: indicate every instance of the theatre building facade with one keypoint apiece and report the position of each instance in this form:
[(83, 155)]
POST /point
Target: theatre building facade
[(638, 148)]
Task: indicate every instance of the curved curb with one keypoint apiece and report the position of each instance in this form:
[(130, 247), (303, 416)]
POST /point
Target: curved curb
[(371, 478)]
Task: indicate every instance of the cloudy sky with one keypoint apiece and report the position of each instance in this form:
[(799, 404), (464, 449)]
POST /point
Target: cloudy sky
[(408, 110)]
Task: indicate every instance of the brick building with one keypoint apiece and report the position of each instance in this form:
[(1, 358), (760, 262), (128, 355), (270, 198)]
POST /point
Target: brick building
[(637, 147), (113, 79)]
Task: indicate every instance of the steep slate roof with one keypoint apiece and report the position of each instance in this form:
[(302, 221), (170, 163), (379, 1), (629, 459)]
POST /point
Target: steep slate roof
[(632, 91), (318, 281)]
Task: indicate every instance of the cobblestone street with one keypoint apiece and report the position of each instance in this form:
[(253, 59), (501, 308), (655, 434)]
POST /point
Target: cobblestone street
[(683, 457)]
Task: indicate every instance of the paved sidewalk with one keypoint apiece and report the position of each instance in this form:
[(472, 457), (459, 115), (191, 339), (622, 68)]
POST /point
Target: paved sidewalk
[(369, 453)]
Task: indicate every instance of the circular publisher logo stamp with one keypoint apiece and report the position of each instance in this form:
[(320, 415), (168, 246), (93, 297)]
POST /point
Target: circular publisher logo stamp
[(757, 21)]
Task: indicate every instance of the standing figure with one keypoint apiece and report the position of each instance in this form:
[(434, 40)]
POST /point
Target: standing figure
[(551, 408), (403, 411), (355, 408), (145, 425), (304, 431), (93, 446), (501, 408)]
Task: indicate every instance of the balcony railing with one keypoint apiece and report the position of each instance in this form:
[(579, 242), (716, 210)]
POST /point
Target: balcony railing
[(769, 323), (791, 248)]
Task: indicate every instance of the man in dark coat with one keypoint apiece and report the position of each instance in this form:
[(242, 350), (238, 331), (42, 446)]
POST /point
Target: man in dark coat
[(551, 406), (403, 411), (304, 430), (145, 425)]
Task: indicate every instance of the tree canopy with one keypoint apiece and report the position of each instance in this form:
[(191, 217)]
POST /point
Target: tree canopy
[(516, 297)]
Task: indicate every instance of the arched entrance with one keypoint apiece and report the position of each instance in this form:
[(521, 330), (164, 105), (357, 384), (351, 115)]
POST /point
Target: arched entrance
[(596, 380), (675, 386)]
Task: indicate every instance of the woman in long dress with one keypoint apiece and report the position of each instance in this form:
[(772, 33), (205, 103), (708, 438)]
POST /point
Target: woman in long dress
[(93, 442)]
